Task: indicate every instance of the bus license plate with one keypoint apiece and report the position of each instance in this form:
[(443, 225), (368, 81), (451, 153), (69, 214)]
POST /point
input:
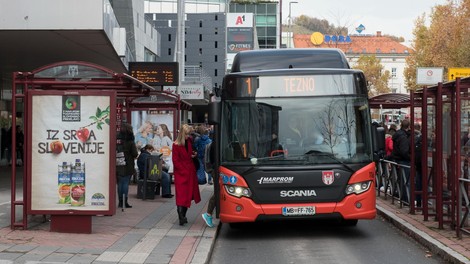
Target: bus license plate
[(301, 210)]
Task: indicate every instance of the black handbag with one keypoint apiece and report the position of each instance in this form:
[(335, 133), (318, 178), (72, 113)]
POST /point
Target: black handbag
[(196, 163), (195, 160)]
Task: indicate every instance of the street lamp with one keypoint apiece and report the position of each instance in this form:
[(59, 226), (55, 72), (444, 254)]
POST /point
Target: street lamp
[(289, 26)]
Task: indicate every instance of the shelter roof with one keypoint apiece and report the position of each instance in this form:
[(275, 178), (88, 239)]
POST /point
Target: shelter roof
[(390, 101)]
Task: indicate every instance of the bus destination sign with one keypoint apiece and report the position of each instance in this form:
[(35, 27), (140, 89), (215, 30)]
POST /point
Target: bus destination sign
[(155, 73), (304, 85)]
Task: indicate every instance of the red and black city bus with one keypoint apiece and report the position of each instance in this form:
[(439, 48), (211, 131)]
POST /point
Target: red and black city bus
[(294, 138)]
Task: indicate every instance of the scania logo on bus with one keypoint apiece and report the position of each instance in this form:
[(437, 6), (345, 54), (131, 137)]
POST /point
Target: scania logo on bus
[(269, 180), (298, 193)]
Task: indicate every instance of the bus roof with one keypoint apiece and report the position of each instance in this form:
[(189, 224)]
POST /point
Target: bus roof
[(253, 60)]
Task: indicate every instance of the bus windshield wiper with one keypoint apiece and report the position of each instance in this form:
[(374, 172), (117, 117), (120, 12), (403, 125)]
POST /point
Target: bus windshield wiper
[(330, 155)]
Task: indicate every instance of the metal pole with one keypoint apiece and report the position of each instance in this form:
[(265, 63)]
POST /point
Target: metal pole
[(290, 35), (280, 23), (180, 43)]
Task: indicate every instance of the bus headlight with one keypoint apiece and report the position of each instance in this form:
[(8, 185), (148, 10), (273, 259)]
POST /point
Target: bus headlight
[(238, 191), (358, 188)]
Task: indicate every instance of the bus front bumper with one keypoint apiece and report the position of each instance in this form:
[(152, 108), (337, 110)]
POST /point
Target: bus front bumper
[(235, 210)]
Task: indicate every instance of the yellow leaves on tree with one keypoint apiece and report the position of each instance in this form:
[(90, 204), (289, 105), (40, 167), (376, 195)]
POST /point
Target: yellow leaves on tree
[(376, 77), (444, 43)]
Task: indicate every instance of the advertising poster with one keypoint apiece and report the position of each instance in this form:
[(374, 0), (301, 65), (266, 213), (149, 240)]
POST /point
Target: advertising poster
[(155, 128), (70, 152)]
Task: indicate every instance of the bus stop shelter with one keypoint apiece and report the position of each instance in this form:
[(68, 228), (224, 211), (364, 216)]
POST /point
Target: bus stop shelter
[(72, 113), (443, 111)]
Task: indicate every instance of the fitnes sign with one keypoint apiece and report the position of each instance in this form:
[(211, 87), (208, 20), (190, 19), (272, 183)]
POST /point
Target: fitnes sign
[(240, 33)]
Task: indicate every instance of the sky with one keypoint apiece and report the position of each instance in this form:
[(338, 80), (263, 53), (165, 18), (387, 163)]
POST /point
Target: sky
[(395, 17)]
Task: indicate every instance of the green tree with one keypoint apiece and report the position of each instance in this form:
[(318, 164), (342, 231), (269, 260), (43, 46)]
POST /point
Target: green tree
[(376, 77)]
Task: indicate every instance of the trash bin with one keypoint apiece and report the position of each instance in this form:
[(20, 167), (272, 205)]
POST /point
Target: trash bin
[(150, 184), (146, 189)]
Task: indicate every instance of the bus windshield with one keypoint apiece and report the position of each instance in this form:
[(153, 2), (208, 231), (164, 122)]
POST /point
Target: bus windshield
[(281, 129)]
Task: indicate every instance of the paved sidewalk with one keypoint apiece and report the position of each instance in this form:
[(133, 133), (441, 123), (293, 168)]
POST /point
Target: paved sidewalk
[(147, 233), (442, 242)]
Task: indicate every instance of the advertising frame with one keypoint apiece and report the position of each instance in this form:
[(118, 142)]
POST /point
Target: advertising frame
[(102, 143)]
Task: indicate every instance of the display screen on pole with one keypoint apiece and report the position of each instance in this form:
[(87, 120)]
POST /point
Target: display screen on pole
[(155, 73)]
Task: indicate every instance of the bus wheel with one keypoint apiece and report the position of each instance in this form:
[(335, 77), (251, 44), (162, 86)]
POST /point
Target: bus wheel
[(349, 222)]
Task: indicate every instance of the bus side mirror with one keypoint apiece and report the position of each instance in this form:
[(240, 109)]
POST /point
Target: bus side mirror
[(378, 141), (214, 113)]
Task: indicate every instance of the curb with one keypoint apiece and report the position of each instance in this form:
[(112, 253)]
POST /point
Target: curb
[(435, 246)]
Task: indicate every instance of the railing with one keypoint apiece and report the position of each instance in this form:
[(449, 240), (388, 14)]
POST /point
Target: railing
[(393, 181)]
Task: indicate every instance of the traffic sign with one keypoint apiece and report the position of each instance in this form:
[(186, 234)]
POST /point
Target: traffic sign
[(429, 76), (454, 73)]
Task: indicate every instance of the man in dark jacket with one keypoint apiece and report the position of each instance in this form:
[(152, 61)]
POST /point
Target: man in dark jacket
[(401, 152)]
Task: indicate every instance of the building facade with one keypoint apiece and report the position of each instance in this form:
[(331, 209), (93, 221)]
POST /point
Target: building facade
[(266, 21), (204, 45), (391, 53)]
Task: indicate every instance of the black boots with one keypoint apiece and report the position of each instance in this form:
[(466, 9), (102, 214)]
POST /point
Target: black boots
[(182, 214), (126, 204), (185, 209)]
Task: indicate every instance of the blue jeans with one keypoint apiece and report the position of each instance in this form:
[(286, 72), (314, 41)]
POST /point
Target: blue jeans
[(123, 186), (166, 183), (406, 184)]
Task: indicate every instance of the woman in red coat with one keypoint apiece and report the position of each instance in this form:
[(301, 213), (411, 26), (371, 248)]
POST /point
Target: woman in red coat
[(186, 186)]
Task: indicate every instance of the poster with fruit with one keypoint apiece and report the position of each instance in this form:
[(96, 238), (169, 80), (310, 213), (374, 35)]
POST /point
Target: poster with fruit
[(70, 151)]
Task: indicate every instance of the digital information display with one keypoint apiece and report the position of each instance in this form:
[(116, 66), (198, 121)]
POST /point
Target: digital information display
[(155, 73)]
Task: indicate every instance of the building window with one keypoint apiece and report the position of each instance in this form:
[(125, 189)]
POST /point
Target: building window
[(215, 44), (200, 37), (216, 31), (216, 17), (169, 51), (185, 60), (137, 18), (215, 72), (200, 23), (169, 37), (215, 58), (185, 44), (149, 56), (200, 51), (394, 72)]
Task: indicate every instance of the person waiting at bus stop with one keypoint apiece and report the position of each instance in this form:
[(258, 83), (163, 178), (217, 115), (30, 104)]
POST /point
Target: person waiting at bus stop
[(186, 185), (401, 152), (124, 171), (145, 152)]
